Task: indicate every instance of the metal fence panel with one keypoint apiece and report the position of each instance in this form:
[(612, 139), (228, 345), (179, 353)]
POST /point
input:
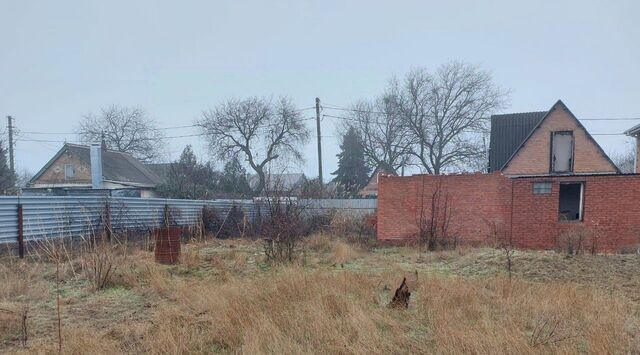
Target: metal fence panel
[(62, 216), (8, 220), (136, 213), (353, 207)]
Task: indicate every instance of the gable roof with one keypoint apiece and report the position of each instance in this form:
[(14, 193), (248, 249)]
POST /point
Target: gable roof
[(508, 131), (160, 169), (117, 166), (561, 104)]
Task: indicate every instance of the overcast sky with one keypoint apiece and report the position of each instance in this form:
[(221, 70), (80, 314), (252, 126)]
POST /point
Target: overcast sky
[(62, 59)]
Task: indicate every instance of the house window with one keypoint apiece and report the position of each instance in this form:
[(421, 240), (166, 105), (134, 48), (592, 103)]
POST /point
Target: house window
[(571, 201), (542, 188), (562, 152), (69, 172)]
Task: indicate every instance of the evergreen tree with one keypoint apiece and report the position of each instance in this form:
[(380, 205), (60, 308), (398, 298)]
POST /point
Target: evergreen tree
[(234, 179), (189, 179), (7, 178), (352, 173)]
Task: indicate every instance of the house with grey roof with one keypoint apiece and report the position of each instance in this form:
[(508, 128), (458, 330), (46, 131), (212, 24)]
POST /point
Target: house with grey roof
[(81, 169)]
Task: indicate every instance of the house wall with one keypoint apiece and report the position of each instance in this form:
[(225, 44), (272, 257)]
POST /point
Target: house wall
[(55, 174), (535, 156), (611, 213), (490, 207)]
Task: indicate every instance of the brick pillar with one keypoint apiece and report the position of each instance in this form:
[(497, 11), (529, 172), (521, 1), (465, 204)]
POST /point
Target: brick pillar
[(636, 167)]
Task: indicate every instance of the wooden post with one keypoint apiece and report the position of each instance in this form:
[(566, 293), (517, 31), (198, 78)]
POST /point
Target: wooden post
[(107, 219), (20, 232), (166, 215)]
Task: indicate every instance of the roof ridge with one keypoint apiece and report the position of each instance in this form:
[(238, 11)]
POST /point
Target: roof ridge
[(502, 115), (89, 147)]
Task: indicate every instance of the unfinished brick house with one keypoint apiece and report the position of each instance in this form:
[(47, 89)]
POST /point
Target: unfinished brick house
[(548, 179)]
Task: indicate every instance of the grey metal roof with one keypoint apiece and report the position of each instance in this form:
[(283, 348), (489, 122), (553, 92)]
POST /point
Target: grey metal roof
[(116, 166), (160, 169), (633, 130), (508, 131)]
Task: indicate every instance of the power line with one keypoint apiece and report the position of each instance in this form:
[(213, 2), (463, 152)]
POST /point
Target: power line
[(29, 139), (471, 131), (160, 128), (384, 113)]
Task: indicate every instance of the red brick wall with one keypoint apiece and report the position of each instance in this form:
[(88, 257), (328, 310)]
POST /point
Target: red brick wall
[(611, 212), (483, 209), (480, 204)]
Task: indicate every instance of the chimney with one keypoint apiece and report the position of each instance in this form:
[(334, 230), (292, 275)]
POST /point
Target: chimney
[(103, 143), (96, 166)]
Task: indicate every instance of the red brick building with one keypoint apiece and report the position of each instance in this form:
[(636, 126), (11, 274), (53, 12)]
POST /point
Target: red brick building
[(548, 178)]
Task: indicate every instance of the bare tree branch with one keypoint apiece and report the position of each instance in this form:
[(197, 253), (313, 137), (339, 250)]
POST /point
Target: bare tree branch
[(257, 128), (446, 114), (384, 133), (125, 129)]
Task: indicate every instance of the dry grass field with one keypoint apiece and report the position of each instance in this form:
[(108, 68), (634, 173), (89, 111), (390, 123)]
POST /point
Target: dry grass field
[(225, 298)]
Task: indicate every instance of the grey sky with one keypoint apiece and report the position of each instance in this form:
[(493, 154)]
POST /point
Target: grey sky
[(62, 59)]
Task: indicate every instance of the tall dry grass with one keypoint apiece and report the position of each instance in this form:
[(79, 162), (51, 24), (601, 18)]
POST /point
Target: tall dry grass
[(220, 302), (291, 310)]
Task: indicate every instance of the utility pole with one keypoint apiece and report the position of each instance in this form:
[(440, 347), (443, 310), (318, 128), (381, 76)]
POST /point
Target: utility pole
[(10, 127), (319, 144)]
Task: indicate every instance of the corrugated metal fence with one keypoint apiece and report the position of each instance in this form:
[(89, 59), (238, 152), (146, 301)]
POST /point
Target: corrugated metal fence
[(62, 216)]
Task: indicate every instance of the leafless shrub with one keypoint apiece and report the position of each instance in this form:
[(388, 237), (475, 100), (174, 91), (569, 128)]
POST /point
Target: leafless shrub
[(99, 260), (576, 239), (434, 222), (231, 224), (357, 229), (282, 229)]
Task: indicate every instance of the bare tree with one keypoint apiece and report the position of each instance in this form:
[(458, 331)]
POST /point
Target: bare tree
[(125, 129), (625, 161), (446, 113), (23, 177), (261, 130), (384, 134)]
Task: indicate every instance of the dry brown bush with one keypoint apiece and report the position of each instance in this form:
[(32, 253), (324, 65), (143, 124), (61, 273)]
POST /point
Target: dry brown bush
[(577, 239), (99, 260)]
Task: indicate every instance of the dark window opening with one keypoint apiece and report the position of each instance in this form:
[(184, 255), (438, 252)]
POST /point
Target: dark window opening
[(562, 152), (571, 198)]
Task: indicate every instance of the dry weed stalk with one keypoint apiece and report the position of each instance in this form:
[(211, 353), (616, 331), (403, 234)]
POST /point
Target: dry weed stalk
[(55, 251), (23, 316), (547, 331), (99, 259)]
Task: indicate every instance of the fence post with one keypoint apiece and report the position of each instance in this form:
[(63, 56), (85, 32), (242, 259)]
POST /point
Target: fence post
[(166, 215), (107, 219), (20, 232)]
